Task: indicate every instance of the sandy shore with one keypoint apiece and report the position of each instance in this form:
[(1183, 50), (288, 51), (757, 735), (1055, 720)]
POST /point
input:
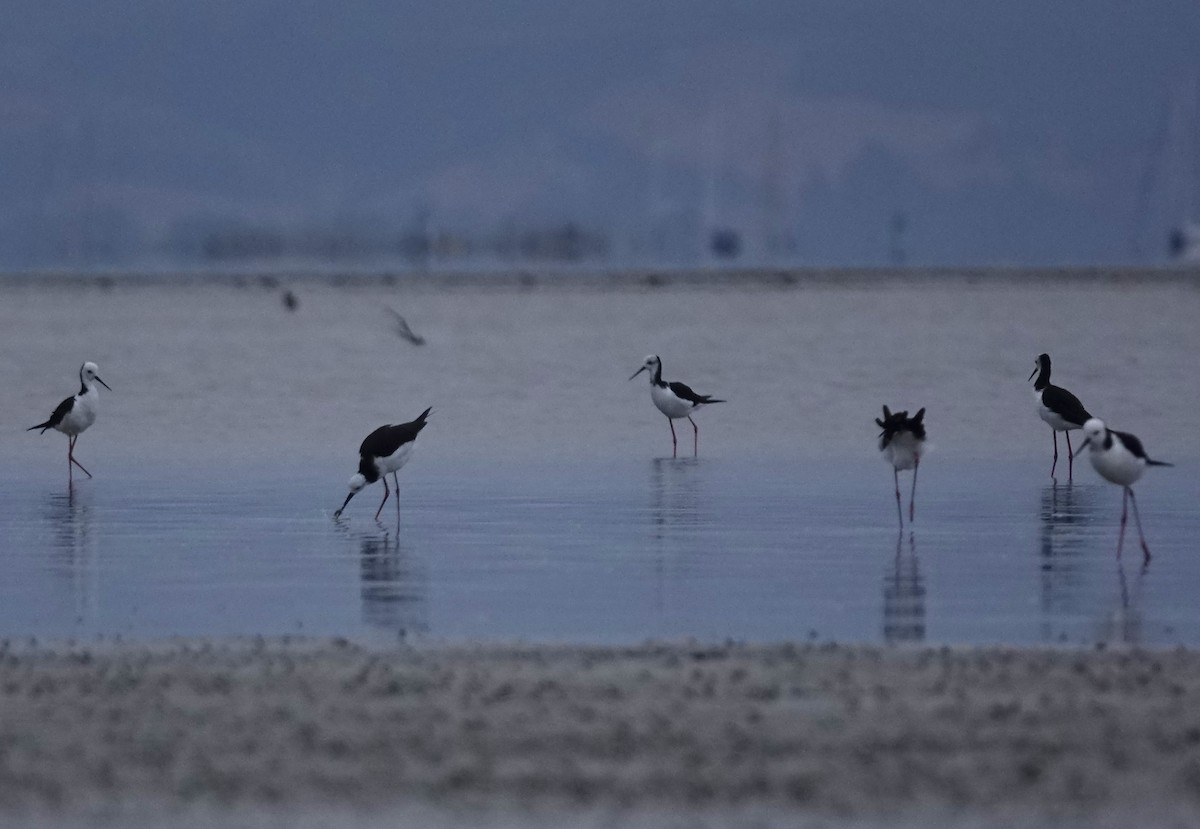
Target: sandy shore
[(280, 733)]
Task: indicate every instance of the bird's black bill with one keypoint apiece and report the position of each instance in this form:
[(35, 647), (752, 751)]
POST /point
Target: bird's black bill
[(1035, 371), (101, 382), (1082, 446), (636, 373), (343, 506)]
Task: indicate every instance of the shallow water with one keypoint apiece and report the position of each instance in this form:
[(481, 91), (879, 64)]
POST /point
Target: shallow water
[(539, 504)]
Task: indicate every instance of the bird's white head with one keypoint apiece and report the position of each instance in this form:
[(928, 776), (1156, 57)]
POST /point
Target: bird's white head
[(1093, 435), (89, 373), (650, 364), (357, 482)]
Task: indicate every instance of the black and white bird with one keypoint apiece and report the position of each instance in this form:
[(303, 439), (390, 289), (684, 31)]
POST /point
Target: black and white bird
[(1120, 459), (675, 400), (1058, 408), (76, 413), (384, 451), (902, 443)]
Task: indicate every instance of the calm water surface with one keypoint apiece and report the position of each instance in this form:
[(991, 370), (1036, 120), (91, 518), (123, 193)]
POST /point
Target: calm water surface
[(539, 504)]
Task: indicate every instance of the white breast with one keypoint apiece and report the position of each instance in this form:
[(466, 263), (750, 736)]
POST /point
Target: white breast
[(903, 451), (81, 416), (392, 463), (1051, 418), (1117, 464), (669, 404)]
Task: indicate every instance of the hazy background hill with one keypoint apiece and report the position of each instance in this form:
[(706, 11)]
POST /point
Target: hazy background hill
[(848, 132)]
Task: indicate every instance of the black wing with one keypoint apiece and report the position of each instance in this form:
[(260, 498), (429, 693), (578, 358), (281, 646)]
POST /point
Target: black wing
[(894, 423), (1066, 405), (387, 439), (684, 392), (57, 417), (1131, 443), (1135, 447)]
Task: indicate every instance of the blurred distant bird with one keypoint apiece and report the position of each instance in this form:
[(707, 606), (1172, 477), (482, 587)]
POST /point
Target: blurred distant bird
[(384, 450), (403, 330), (675, 400), (290, 301), (1060, 409), (75, 414), (1120, 459), (902, 443)]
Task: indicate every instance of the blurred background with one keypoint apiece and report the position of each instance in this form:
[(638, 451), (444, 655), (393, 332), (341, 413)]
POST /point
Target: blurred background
[(226, 134)]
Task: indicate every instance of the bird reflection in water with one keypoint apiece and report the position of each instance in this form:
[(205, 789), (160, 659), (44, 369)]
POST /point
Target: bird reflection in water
[(674, 515), (73, 555), (1066, 515), (1124, 623), (674, 497), (904, 595), (394, 587)]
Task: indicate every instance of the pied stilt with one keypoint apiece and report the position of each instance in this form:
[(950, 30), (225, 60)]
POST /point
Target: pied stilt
[(1119, 458), (1060, 409), (76, 413), (902, 443), (675, 400), (384, 450)]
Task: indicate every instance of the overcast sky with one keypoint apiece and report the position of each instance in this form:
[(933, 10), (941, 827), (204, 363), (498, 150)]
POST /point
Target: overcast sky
[(1004, 132)]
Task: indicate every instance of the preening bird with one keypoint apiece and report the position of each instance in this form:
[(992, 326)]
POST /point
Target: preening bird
[(902, 443)]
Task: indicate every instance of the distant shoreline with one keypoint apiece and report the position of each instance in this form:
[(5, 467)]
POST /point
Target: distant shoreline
[(854, 735), (642, 278)]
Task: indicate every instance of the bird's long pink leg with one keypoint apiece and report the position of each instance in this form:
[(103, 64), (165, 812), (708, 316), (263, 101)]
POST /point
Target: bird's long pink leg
[(912, 498), (396, 481), (899, 511), (695, 437), (385, 496), (70, 460), (1124, 516), (674, 443), (1070, 459), (1138, 520), (71, 457), (1054, 465)]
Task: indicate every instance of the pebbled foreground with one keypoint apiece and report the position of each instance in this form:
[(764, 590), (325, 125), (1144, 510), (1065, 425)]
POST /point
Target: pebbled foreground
[(299, 733)]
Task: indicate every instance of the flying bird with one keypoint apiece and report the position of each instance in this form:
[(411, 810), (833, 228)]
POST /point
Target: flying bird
[(403, 330)]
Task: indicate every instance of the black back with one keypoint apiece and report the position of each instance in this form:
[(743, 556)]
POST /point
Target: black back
[(685, 392), (895, 423), (1131, 443), (1065, 405), (1057, 399), (385, 440), (57, 416)]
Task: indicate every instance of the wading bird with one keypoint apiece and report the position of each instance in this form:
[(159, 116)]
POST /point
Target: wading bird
[(1120, 459), (75, 414), (1059, 408), (675, 400), (384, 451), (902, 443)]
